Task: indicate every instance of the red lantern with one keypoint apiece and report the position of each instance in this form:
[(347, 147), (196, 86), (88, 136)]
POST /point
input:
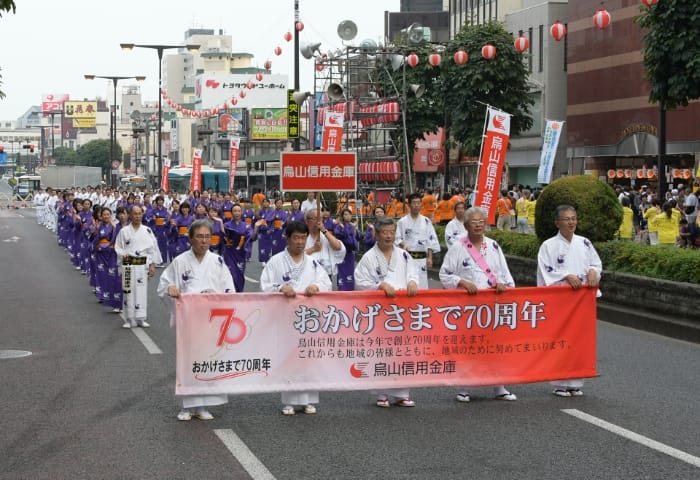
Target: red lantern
[(488, 52), (249, 85), (461, 57), (521, 44), (288, 36), (267, 64), (225, 105), (434, 59), (234, 101), (649, 3), (278, 51), (601, 19), (241, 94), (558, 31), (299, 26), (319, 67), (412, 60), (259, 76), (178, 108)]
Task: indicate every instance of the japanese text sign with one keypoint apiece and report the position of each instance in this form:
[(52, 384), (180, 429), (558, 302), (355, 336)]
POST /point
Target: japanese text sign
[(255, 342), (493, 158), (318, 171)]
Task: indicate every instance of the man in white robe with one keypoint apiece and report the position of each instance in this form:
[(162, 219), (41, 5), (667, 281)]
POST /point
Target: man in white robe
[(474, 263), (197, 270), (455, 227), (388, 268), (568, 259), (322, 245), (137, 254), (416, 234), (290, 272)]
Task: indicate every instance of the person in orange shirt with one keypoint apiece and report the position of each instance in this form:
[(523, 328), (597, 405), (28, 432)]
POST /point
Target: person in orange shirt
[(445, 210), (258, 198), (503, 208), (428, 204)]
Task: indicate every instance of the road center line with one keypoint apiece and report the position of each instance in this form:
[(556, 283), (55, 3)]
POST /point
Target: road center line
[(635, 437), (146, 341), (242, 453)]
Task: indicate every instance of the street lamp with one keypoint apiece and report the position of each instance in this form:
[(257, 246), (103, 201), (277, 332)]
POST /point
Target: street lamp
[(159, 49), (113, 116)]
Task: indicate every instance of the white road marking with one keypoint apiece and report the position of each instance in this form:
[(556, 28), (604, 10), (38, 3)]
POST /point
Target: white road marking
[(243, 455), (14, 239), (146, 341), (251, 280), (635, 437)]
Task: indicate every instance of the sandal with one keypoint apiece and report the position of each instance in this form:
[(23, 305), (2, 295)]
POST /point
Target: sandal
[(560, 392), (405, 402), (507, 396), (309, 409), (288, 410)]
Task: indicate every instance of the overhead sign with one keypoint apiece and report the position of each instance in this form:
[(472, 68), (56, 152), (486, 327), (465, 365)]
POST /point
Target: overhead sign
[(268, 123), (293, 123), (318, 171), (83, 114), (53, 102), (213, 90)]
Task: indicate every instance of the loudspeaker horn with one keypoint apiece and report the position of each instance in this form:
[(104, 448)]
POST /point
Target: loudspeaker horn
[(347, 30), (300, 97), (335, 91), (368, 47), (307, 49), (396, 61), (415, 34), (418, 90)]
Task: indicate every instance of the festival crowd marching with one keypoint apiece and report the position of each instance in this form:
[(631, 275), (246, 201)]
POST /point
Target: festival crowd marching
[(117, 239)]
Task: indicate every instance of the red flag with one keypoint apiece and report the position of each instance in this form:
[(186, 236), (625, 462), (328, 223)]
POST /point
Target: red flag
[(332, 132), (196, 180), (164, 178), (234, 147), (493, 158)]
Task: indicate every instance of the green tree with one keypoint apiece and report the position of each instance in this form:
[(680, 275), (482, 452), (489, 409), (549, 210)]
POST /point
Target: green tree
[(456, 95), (7, 6), (598, 210), (672, 51), (65, 156), (96, 153)]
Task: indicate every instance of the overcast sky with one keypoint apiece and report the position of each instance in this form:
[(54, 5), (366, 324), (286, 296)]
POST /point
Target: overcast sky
[(48, 45)]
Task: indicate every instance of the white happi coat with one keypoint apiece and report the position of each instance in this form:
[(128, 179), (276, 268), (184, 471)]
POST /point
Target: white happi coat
[(136, 243), (372, 270), (190, 276), (326, 257), (453, 230), (281, 270), (417, 235), (458, 264), (558, 258)]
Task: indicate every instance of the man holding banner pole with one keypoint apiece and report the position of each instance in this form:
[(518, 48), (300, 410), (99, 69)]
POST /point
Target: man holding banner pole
[(568, 259), (290, 272), (475, 262), (415, 234)]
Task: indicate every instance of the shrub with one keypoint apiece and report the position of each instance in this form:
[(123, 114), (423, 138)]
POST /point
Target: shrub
[(519, 244), (598, 210)]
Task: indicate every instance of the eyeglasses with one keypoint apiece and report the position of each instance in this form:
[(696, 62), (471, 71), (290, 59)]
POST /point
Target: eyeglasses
[(567, 219), (477, 222), (202, 237)]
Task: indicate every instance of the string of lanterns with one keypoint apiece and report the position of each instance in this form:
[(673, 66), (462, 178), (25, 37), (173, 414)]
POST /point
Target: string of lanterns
[(601, 19)]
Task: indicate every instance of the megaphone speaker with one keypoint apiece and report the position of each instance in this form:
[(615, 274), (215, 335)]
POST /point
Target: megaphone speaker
[(307, 49), (300, 97), (415, 34), (334, 91), (347, 30), (418, 90)]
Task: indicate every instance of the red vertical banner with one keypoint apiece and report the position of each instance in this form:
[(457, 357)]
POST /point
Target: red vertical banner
[(164, 178), (196, 180), (493, 158), (332, 131), (233, 150)]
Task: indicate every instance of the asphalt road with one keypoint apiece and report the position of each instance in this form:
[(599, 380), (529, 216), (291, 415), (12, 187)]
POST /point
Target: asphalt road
[(91, 402)]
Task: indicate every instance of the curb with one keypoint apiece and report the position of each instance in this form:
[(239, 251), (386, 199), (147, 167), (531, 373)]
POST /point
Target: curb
[(650, 322)]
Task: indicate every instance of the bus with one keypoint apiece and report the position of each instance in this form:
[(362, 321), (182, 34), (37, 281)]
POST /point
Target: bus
[(27, 184), (214, 178)]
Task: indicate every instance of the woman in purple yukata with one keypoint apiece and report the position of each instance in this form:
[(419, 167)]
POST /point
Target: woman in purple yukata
[(370, 237), (86, 222), (172, 232), (295, 214), (109, 283), (159, 223), (181, 224), (279, 222), (237, 236), (265, 241), (217, 230), (76, 233), (347, 232), (200, 211)]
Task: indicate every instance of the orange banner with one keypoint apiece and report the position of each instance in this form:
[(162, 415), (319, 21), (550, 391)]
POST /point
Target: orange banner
[(233, 150), (492, 161), (255, 342), (196, 180)]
